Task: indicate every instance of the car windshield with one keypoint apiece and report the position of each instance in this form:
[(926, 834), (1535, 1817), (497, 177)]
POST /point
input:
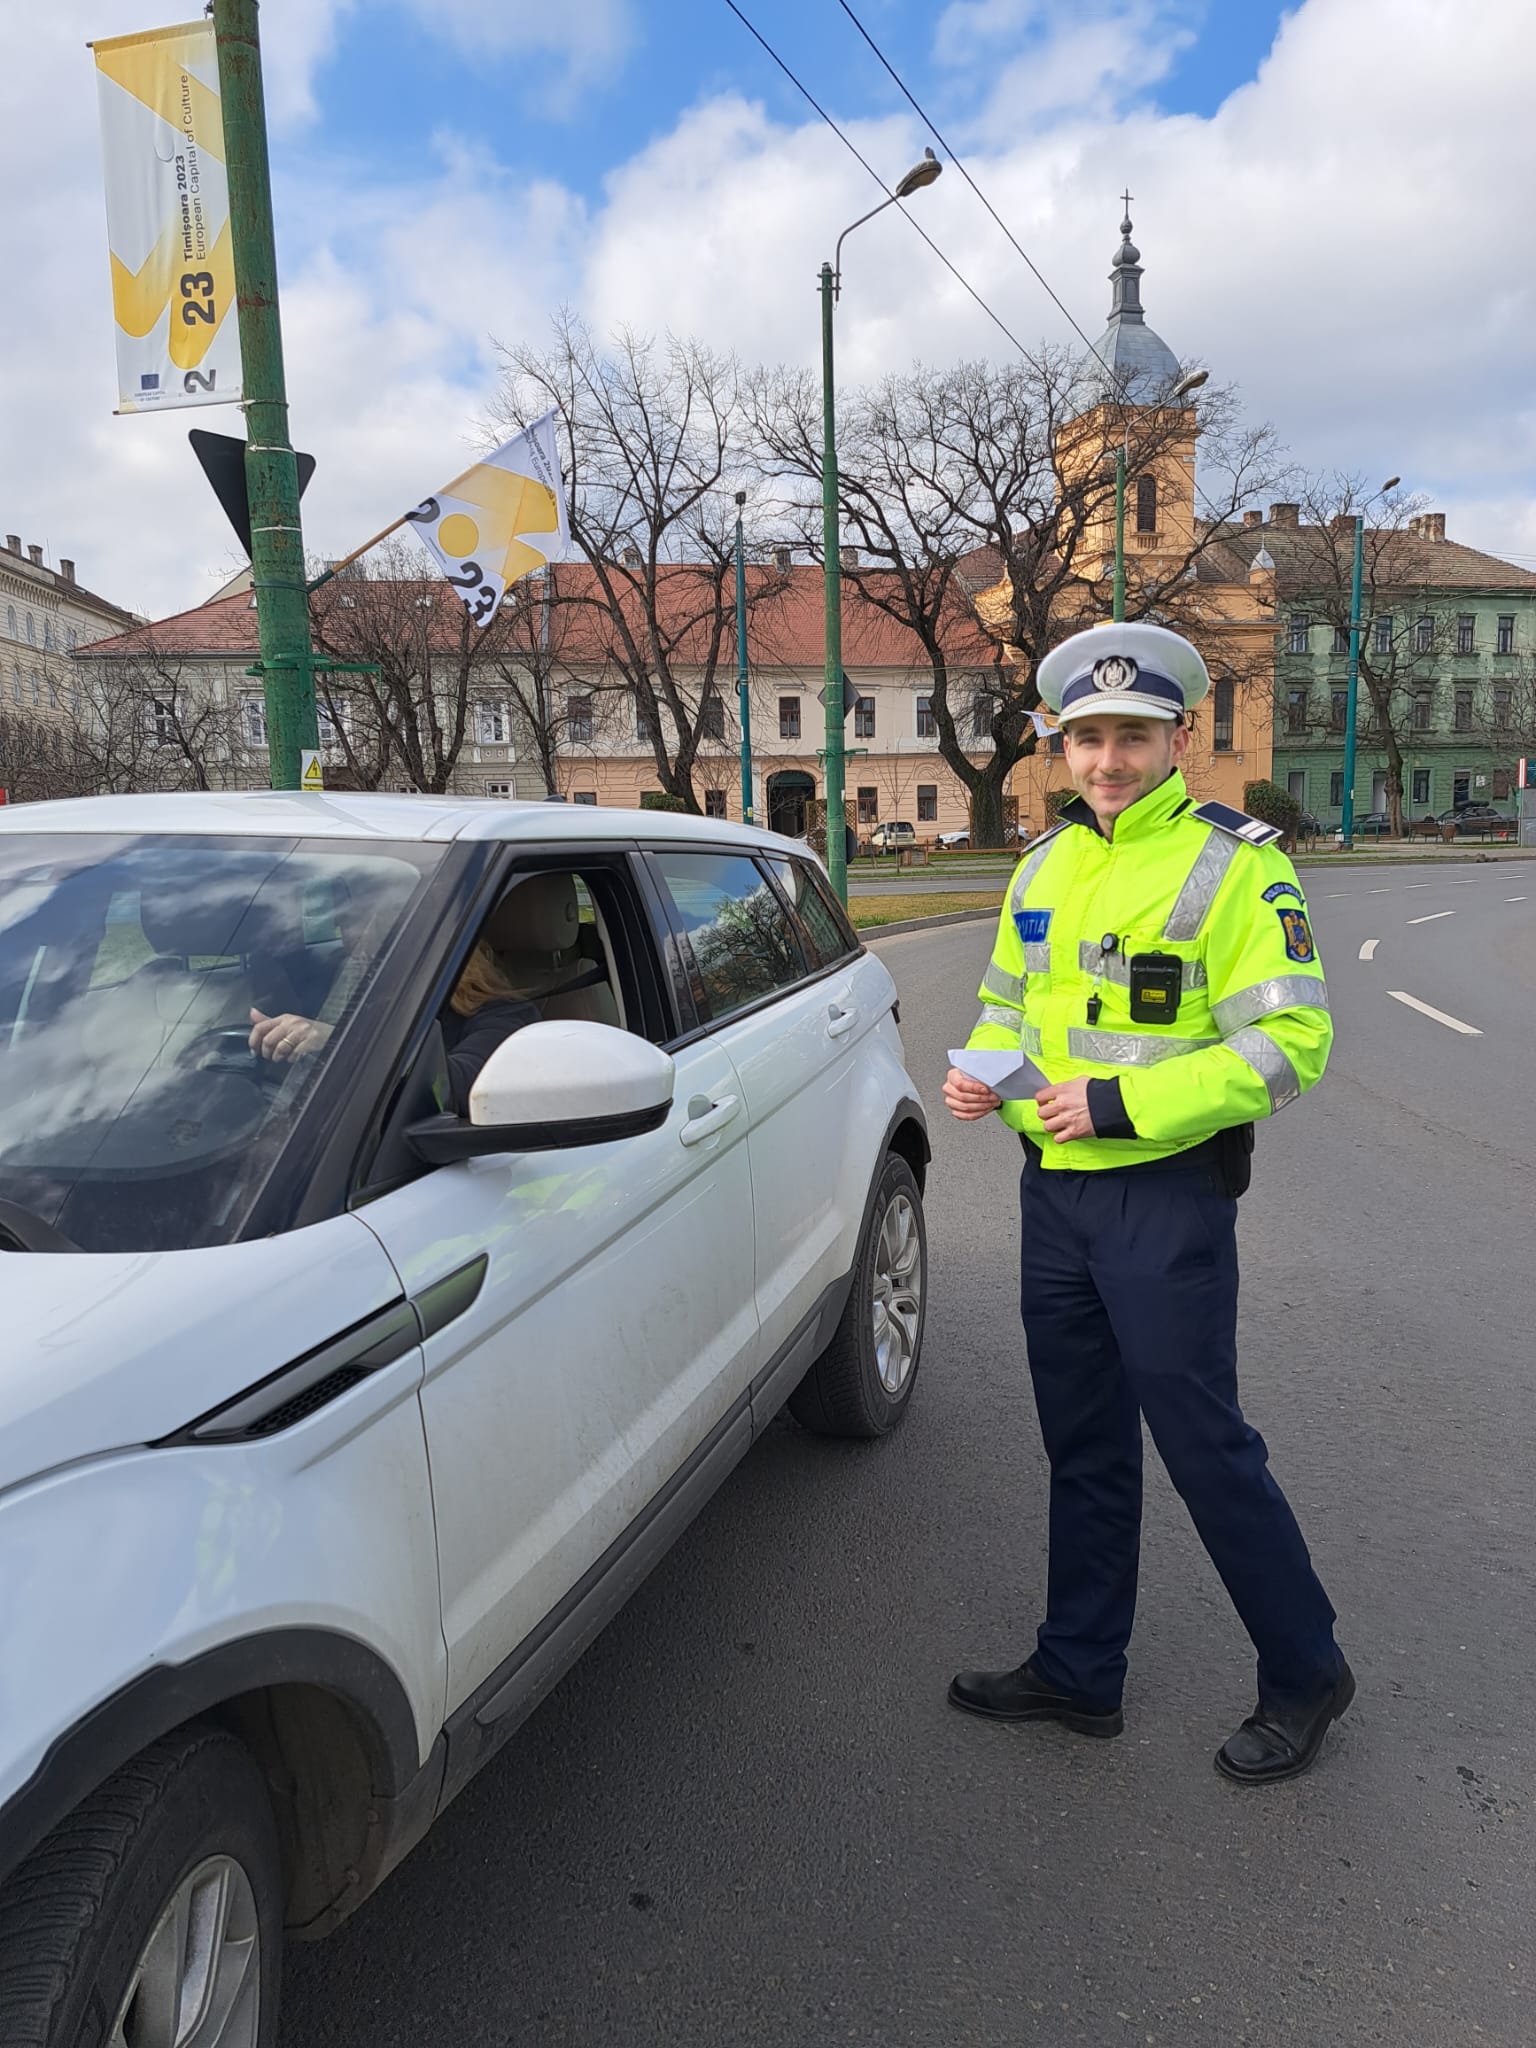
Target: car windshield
[(136, 1114)]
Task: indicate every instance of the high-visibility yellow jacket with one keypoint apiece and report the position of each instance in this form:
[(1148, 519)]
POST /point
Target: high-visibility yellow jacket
[(1205, 884)]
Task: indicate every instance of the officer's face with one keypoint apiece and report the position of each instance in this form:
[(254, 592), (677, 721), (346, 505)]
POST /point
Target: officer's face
[(1114, 761)]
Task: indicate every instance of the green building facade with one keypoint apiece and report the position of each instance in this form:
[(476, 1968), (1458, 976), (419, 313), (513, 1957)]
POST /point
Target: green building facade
[(1449, 634)]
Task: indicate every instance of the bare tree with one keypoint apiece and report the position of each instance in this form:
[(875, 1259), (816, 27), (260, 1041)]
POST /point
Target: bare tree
[(654, 432), (150, 718), (979, 502)]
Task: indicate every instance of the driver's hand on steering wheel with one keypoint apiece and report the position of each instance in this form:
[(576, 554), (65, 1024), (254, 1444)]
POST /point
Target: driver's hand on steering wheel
[(286, 1037)]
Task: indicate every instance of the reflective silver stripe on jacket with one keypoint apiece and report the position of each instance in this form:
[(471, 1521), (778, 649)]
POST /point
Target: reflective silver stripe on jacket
[(1034, 860), (1286, 992), (1008, 988), (994, 1013), (1259, 1051), (1037, 957), (1130, 1048), (1193, 903), (1029, 1039), (1116, 967)]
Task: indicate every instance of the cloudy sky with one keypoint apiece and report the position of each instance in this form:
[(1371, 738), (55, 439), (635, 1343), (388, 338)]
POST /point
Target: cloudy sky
[(1332, 200)]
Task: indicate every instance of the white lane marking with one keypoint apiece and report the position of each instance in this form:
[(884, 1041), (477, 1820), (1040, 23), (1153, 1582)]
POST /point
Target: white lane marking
[(1514, 899), (1368, 950), (1421, 885), (1399, 995), (1431, 917), (1338, 895), (1378, 892)]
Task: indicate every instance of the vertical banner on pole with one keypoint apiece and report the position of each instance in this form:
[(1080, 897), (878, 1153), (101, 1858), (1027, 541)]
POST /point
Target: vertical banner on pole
[(173, 273)]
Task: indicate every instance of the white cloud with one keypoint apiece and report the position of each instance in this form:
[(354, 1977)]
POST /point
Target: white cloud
[(589, 39), (1343, 238)]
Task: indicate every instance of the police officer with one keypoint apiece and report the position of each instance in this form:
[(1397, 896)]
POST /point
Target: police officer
[(1154, 961)]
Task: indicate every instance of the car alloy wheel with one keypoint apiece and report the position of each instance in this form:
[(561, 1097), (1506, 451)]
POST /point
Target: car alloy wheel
[(197, 1981), (897, 1304)]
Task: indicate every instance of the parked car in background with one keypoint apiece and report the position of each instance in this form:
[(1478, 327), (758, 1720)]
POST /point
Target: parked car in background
[(345, 1396), (1479, 820), (892, 837)]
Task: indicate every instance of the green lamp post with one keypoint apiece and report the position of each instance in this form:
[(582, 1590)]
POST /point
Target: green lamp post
[(921, 174), (1348, 820)]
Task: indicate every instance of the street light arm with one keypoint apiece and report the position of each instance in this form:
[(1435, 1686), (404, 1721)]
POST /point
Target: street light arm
[(837, 258)]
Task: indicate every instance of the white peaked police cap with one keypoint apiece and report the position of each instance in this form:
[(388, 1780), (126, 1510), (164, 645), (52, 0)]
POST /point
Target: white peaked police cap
[(1135, 671)]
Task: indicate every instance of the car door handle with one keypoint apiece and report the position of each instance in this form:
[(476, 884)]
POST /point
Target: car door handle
[(840, 1022), (713, 1119)]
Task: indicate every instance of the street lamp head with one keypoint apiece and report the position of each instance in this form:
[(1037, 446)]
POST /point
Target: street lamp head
[(1391, 484), (741, 497), (920, 175), (1190, 383)]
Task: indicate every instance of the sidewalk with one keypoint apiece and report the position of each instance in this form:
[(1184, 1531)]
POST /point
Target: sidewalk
[(1324, 854)]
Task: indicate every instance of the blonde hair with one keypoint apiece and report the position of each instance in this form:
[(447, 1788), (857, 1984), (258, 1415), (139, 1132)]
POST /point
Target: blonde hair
[(482, 980)]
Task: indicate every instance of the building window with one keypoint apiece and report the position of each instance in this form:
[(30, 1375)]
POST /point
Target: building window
[(1341, 639), (927, 724), (1503, 709), (1301, 634), (1223, 697), (1501, 785), (1296, 784), (1338, 709), (1383, 636), (644, 731), (1424, 635), (1336, 790), (1146, 504), (1056, 742), (75, 700), (1420, 786), (72, 638), (712, 727), (983, 711), (159, 723), (869, 806), (53, 694), (31, 632), (10, 620), (927, 803), (864, 718), (714, 803), (37, 691), (578, 718), (47, 636), (1295, 710), (1466, 629), (15, 684), (1423, 711), (1463, 710), (789, 718), (499, 789), (491, 723), (1506, 640), (583, 796)]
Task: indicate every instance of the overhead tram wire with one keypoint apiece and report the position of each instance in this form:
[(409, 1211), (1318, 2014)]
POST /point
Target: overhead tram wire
[(854, 151), (954, 158)]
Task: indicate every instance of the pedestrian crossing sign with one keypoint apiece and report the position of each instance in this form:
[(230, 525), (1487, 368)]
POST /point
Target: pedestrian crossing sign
[(310, 777)]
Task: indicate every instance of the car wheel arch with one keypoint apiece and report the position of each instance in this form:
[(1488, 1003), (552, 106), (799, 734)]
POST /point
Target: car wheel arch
[(326, 1718)]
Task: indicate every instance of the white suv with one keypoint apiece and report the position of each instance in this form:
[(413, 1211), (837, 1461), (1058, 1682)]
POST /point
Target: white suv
[(410, 1211)]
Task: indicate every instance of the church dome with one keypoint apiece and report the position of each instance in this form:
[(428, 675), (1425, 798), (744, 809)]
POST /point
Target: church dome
[(1131, 361)]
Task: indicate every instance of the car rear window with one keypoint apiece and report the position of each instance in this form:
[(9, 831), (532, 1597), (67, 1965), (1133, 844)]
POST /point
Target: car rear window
[(827, 930), (743, 943)]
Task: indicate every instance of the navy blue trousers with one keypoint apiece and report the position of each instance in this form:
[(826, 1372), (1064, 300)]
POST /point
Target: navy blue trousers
[(1130, 1310)]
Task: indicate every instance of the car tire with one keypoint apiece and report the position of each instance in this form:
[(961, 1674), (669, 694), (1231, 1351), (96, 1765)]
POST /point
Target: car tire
[(160, 1896), (862, 1383)]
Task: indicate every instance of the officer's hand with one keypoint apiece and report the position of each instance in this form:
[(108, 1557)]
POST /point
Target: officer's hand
[(1064, 1111), (968, 1099)]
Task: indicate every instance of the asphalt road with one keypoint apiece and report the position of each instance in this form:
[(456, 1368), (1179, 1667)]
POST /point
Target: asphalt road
[(748, 1816)]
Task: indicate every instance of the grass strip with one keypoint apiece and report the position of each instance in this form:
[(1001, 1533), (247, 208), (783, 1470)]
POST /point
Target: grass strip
[(876, 910)]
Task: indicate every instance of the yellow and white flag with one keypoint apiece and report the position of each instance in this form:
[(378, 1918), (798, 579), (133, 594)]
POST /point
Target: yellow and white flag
[(500, 520), (173, 272)]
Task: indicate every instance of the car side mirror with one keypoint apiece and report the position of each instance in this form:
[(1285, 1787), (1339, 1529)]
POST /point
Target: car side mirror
[(554, 1085)]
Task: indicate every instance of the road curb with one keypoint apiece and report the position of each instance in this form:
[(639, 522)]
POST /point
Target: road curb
[(1397, 860), (869, 932)]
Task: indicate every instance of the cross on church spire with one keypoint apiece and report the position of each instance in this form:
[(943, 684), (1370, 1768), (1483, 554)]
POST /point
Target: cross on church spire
[(1125, 225)]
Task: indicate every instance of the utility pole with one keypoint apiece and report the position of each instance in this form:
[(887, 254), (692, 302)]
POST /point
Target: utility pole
[(742, 696), (1354, 686), (832, 577), (1119, 597), (271, 472)]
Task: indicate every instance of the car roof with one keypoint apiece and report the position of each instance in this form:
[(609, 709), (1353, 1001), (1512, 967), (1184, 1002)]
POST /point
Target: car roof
[(287, 814)]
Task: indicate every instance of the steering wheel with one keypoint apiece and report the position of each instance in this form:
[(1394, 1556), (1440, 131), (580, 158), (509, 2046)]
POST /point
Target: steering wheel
[(227, 1049)]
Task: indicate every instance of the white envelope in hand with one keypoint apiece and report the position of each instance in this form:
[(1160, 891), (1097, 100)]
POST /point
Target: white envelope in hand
[(1007, 1073)]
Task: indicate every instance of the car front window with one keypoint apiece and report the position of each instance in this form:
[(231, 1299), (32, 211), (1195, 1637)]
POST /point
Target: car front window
[(167, 1008)]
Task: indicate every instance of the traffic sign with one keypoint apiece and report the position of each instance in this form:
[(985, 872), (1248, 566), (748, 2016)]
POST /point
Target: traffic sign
[(310, 777)]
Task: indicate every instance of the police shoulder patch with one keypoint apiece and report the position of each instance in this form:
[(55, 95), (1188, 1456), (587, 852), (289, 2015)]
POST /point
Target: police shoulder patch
[(1279, 889), (1225, 818), (1298, 935)]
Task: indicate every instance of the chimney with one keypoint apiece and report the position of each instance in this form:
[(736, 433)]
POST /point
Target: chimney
[(1342, 522), (849, 557), (782, 558), (631, 557), (1253, 519), (13, 542), (1286, 517), (66, 569), (35, 556), (1434, 526)]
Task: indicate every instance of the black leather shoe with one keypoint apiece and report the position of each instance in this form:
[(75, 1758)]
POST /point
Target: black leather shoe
[(1281, 1742), (1021, 1696)]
